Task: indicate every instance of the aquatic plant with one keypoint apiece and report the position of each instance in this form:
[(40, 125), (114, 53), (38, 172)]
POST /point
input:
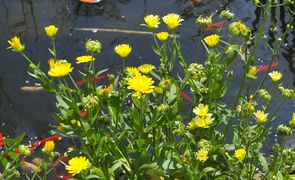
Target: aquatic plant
[(139, 125)]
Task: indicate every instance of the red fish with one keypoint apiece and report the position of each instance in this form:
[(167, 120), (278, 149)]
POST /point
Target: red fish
[(98, 78), (64, 176), (43, 141), (83, 113), (185, 96), (1, 140), (265, 67), (215, 25)]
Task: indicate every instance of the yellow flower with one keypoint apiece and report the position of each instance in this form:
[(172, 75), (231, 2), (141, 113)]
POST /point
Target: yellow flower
[(152, 21), (108, 89), (146, 68), (15, 44), (48, 147), (275, 76), (172, 21), (61, 126), (162, 36), (292, 121), (238, 29), (212, 40), (51, 31), (240, 154), (202, 155), (201, 122), (261, 117), (158, 90), (252, 72), (140, 84), (77, 164), (59, 68), (123, 50), (132, 71), (84, 59), (201, 110)]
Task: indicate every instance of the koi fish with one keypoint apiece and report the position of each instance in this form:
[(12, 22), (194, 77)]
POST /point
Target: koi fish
[(64, 176), (83, 113), (43, 141), (193, 2), (1, 140), (215, 25), (83, 81), (265, 67), (185, 96), (90, 1), (32, 88)]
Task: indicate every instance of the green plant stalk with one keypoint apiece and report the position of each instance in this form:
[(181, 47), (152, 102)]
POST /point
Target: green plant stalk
[(53, 46), (28, 59)]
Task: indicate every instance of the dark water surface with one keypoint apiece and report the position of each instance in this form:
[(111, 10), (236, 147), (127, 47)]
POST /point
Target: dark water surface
[(31, 112)]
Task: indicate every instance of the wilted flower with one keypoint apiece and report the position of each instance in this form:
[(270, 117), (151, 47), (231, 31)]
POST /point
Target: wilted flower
[(292, 121), (261, 117), (93, 46), (84, 59), (152, 21), (204, 21), (123, 50), (212, 40), (141, 85), (284, 130), (240, 154), (48, 147), (226, 14), (202, 155), (239, 29), (172, 21), (275, 76), (15, 44), (108, 89), (51, 31), (77, 164), (146, 68), (59, 68), (162, 36), (252, 72)]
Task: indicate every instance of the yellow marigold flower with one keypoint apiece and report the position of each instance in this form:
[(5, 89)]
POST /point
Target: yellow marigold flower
[(252, 72), (261, 117), (123, 50), (141, 84), (48, 147), (202, 155), (275, 76), (108, 89), (240, 154), (238, 29), (75, 122), (172, 21), (201, 110), (162, 36), (84, 59), (292, 121), (132, 71), (203, 122), (158, 90), (15, 44), (146, 68), (77, 164), (152, 21), (51, 31), (59, 68), (212, 40)]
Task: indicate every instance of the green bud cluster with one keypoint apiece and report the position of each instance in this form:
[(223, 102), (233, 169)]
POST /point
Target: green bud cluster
[(226, 14), (205, 144), (197, 72), (24, 150), (163, 108), (93, 46), (264, 94), (90, 101), (288, 93), (204, 21), (284, 130)]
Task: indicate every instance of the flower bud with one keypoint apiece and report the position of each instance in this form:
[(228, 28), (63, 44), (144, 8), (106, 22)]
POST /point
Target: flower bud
[(93, 46), (204, 21), (24, 150), (226, 14), (197, 72), (284, 130), (90, 101)]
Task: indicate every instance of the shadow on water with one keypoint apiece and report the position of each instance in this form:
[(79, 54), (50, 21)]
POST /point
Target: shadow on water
[(31, 112)]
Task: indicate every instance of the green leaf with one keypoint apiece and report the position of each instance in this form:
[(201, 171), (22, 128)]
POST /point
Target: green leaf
[(101, 72), (52, 52), (263, 162), (206, 170), (113, 105)]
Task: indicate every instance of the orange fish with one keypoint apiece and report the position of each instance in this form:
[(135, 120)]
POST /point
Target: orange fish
[(215, 25), (32, 88), (90, 1), (265, 67)]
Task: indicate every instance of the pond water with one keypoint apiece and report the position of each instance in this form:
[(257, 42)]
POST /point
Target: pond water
[(31, 112)]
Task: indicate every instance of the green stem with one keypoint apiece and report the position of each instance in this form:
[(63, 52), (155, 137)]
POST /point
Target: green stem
[(28, 59), (53, 46)]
